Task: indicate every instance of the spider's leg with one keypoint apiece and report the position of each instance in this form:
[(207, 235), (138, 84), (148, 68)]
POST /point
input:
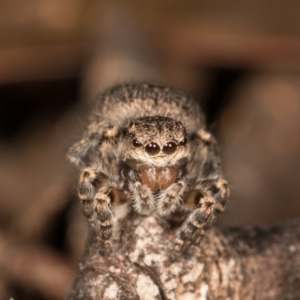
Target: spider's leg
[(208, 199), (171, 198), (209, 194), (97, 194), (92, 137)]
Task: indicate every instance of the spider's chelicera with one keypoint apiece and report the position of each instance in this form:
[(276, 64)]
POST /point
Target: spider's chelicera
[(148, 146)]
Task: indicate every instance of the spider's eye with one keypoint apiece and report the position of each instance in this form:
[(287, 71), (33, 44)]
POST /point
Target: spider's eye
[(136, 143), (169, 148), (152, 149), (183, 142)]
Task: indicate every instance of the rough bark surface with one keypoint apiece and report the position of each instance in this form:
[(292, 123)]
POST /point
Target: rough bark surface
[(243, 263)]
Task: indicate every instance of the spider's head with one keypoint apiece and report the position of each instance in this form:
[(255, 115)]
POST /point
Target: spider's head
[(155, 141)]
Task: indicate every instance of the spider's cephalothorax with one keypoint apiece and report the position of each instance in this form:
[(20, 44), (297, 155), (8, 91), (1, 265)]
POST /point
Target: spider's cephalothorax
[(148, 146), (153, 152)]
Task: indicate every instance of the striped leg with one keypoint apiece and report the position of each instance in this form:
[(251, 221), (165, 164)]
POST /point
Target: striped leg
[(104, 223), (97, 195), (207, 199)]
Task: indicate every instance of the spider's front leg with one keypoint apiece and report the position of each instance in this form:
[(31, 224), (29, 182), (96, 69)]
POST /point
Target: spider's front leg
[(208, 196), (207, 201), (97, 193)]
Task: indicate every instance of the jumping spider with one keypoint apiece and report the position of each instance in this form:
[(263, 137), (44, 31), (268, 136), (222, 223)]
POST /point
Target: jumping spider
[(148, 145)]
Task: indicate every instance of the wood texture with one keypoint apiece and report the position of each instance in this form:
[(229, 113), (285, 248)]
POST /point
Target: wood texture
[(243, 263)]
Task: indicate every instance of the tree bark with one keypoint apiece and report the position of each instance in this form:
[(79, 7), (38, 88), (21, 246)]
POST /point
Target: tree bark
[(239, 263)]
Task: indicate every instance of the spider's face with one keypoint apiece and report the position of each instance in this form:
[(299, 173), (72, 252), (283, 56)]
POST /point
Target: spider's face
[(155, 141)]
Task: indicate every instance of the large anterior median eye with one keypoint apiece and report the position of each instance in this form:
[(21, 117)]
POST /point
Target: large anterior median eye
[(152, 149), (169, 148)]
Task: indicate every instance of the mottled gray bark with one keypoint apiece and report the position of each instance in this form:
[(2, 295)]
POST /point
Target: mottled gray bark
[(243, 263)]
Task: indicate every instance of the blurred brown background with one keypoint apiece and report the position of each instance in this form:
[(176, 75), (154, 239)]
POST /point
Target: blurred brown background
[(241, 59)]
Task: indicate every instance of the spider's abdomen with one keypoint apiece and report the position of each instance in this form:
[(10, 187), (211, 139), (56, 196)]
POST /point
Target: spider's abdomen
[(157, 179)]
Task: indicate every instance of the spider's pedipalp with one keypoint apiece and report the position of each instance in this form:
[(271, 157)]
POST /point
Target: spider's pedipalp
[(142, 198), (169, 200)]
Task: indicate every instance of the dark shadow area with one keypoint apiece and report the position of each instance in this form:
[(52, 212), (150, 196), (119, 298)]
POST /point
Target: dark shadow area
[(217, 94), (29, 104)]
